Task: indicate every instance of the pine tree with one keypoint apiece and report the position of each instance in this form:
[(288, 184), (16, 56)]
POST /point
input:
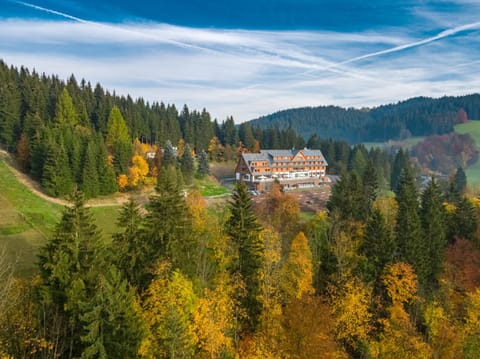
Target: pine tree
[(463, 221), (169, 157), (410, 239), (106, 173), (90, 183), (460, 180), (433, 218), (118, 140), (69, 264), (167, 222), (203, 168), (243, 229), (187, 164), (65, 114), (370, 188), (130, 244), (378, 246), (111, 319), (401, 160), (56, 176)]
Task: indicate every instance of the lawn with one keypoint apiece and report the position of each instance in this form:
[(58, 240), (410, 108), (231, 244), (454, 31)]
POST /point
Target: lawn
[(473, 171), (26, 221), (209, 187)]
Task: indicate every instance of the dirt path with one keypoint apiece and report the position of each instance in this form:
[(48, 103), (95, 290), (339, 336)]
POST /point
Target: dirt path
[(35, 188)]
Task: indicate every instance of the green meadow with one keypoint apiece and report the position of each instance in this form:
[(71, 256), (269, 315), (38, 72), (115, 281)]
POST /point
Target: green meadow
[(26, 221), (473, 171)]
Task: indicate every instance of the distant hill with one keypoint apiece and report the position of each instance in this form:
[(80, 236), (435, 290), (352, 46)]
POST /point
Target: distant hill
[(419, 116)]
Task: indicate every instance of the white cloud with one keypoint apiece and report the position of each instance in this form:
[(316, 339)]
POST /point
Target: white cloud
[(248, 73)]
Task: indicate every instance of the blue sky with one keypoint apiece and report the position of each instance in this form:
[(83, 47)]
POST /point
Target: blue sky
[(249, 58)]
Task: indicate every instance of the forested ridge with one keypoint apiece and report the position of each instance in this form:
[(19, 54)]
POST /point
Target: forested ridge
[(420, 116)]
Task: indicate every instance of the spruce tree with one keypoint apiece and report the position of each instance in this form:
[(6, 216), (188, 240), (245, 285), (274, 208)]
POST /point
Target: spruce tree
[(399, 163), (56, 176), (370, 188), (433, 218), (460, 180), (118, 140), (203, 168), (167, 222), (69, 265), (463, 221), (130, 244), (410, 239), (106, 172), (243, 229), (111, 321), (187, 164), (169, 157), (378, 246), (65, 114), (90, 183)]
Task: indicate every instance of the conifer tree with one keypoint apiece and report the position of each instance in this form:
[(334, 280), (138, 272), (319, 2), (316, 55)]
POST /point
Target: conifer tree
[(90, 183), (378, 246), (111, 319), (65, 114), (56, 176), (370, 188), (410, 239), (130, 244), (167, 222), (69, 264), (187, 164), (460, 180), (106, 173), (463, 221), (243, 229), (118, 140), (433, 218), (169, 157), (399, 163), (203, 168)]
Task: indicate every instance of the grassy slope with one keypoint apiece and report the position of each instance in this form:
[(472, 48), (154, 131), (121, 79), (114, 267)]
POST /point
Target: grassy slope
[(26, 220), (473, 172), (407, 143)]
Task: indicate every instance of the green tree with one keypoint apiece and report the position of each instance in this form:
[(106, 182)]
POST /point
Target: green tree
[(399, 163), (69, 264), (106, 172), (243, 229), (130, 244), (118, 140), (56, 175), (169, 157), (203, 168), (410, 239), (111, 319), (460, 180), (378, 247), (65, 114), (433, 217), (187, 164), (90, 183)]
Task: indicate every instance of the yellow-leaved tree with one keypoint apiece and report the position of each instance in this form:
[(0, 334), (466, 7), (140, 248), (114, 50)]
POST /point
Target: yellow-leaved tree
[(214, 321), (297, 271), (399, 338), (351, 313), (168, 310)]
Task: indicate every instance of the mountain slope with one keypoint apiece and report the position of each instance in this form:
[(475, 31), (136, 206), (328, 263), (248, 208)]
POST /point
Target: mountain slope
[(420, 116)]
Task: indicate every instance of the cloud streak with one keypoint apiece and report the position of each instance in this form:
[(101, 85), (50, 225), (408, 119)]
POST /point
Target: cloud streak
[(247, 73)]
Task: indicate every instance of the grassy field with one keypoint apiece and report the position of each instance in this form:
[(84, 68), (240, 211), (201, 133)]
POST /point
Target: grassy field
[(209, 187), (26, 221), (473, 172)]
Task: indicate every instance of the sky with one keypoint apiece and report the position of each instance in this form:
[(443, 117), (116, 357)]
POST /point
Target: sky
[(252, 57)]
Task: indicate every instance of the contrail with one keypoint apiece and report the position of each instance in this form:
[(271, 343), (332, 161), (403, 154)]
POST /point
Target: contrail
[(83, 21), (295, 61), (439, 36)]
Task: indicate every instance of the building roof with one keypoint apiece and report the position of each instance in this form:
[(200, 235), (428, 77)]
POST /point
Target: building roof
[(268, 155)]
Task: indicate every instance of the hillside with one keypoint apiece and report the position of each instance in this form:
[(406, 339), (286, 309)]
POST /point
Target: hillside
[(421, 116)]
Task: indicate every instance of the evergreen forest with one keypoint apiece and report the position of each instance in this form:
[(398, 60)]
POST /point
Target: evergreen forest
[(421, 116)]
